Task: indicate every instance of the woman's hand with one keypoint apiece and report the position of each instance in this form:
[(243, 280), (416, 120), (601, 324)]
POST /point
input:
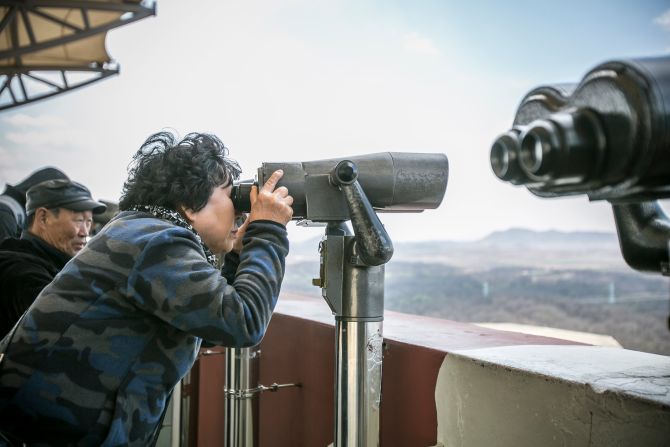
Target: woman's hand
[(270, 203), (241, 222)]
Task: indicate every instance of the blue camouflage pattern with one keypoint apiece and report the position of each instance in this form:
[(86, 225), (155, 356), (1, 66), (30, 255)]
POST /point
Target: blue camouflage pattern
[(97, 355)]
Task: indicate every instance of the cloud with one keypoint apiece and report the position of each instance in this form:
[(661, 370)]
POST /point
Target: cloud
[(28, 142), (22, 120), (663, 20), (16, 164), (417, 43), (43, 133), (47, 139)]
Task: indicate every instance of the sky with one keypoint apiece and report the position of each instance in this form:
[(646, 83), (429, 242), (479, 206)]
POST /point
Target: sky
[(299, 80)]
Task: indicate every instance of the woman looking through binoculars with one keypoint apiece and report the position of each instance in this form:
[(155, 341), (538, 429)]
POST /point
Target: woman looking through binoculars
[(95, 359)]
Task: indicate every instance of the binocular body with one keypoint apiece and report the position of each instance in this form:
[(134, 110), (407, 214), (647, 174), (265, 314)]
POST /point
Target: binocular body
[(392, 181), (607, 137)]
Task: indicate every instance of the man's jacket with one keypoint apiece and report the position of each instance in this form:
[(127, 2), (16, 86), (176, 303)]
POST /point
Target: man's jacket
[(27, 265), (12, 212)]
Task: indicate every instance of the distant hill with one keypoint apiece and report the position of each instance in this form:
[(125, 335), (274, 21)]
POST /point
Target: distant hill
[(514, 247), (568, 280), (560, 239), (512, 239), (520, 247)]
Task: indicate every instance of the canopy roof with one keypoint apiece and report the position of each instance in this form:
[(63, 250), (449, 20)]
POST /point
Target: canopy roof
[(48, 47)]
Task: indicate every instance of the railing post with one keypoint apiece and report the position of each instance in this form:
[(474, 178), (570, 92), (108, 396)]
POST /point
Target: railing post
[(241, 411)]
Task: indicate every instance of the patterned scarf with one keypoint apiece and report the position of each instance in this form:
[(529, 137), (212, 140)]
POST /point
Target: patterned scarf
[(174, 217)]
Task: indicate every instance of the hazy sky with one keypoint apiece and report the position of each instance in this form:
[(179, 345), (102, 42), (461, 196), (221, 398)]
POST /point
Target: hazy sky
[(291, 80)]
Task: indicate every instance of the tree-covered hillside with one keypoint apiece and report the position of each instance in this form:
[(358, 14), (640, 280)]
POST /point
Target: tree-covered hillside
[(563, 280)]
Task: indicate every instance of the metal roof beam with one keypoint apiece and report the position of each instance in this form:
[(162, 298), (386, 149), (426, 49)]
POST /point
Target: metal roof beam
[(46, 81), (98, 74), (29, 26), (7, 19), (85, 4), (51, 18), (84, 18)]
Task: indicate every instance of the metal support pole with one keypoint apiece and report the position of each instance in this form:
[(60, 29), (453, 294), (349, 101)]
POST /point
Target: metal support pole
[(358, 383), (355, 293), (241, 417), (176, 432)]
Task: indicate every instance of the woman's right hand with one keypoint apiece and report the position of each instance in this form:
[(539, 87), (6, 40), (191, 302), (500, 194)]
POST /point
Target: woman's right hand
[(270, 203)]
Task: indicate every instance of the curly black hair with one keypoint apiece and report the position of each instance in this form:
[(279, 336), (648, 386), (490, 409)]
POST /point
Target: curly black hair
[(174, 174)]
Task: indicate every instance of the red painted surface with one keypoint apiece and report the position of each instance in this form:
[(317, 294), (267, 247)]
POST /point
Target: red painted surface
[(208, 379), (297, 350), (301, 348), (191, 392), (409, 375)]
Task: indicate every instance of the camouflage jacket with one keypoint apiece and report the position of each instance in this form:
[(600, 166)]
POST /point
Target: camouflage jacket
[(96, 357)]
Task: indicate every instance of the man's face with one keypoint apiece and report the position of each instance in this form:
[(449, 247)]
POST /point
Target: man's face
[(68, 230), (215, 223)]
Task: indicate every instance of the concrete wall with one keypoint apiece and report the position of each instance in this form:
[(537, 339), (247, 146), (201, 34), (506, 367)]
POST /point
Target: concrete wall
[(553, 396), (448, 383)]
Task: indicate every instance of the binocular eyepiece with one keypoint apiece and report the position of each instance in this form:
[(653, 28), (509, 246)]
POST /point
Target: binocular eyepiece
[(240, 195), (393, 182), (608, 137)]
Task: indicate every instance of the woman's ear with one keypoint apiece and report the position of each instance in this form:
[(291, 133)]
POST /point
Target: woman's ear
[(188, 214)]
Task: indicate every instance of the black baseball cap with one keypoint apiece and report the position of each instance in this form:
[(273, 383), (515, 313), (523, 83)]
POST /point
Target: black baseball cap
[(62, 193)]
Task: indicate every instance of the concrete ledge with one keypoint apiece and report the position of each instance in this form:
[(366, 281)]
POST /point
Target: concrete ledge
[(426, 332), (299, 347), (553, 396), (451, 384)]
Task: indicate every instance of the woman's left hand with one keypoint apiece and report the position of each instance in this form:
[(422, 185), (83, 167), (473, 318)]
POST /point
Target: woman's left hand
[(239, 234)]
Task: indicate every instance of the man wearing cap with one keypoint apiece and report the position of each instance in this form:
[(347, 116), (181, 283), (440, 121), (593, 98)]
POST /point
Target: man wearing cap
[(13, 201), (59, 218)]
